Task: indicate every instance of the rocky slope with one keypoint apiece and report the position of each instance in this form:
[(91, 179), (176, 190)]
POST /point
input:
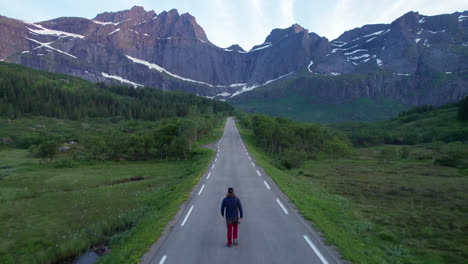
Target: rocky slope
[(171, 51)]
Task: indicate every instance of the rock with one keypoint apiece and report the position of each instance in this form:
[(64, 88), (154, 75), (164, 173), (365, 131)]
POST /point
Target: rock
[(64, 148)]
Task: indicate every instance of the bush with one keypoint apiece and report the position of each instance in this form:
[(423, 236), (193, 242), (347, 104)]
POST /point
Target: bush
[(64, 164), (48, 150), (463, 109), (291, 159), (28, 141), (388, 155), (452, 155), (405, 152)]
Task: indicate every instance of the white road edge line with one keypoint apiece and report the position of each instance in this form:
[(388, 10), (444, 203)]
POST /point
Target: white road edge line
[(207, 177), (282, 206), (253, 164), (187, 216), (259, 173), (212, 166), (266, 184), (324, 261), (249, 158), (216, 159), (163, 259), (201, 190)]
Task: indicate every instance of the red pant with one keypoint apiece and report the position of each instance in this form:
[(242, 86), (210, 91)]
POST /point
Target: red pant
[(232, 232)]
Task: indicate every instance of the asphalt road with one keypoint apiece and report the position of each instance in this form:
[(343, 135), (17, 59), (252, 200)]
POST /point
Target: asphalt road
[(271, 232)]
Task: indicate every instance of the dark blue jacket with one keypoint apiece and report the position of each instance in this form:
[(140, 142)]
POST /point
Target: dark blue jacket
[(233, 206)]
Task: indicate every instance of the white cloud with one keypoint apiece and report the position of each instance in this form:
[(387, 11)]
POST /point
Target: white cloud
[(287, 12)]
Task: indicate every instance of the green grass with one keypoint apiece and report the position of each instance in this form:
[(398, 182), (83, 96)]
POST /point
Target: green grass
[(407, 211), (50, 214)]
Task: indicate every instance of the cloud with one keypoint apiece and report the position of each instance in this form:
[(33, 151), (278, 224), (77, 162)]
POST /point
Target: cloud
[(286, 13)]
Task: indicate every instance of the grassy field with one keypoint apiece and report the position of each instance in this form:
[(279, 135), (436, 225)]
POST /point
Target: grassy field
[(51, 213), (406, 211)]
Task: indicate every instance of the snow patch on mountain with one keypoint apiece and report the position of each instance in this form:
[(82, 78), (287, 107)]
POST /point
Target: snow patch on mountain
[(161, 69), (120, 79), (266, 45), (47, 46), (360, 57), (376, 33), (115, 31), (379, 62), (352, 52), (45, 31), (105, 23), (250, 88), (310, 64)]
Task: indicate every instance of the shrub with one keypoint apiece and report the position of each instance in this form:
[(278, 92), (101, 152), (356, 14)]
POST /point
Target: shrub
[(405, 152), (48, 150), (293, 158), (388, 155), (463, 109)]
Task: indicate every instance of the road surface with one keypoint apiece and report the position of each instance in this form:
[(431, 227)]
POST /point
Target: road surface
[(271, 232)]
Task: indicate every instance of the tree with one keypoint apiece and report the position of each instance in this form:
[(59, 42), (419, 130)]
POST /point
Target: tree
[(47, 150), (463, 109)]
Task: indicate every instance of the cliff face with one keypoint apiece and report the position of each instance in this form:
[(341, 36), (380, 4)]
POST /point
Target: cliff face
[(172, 51)]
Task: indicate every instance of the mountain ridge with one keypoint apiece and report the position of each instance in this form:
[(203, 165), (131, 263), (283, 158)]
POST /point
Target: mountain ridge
[(172, 52)]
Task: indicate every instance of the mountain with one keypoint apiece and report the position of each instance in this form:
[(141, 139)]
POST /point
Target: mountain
[(402, 61)]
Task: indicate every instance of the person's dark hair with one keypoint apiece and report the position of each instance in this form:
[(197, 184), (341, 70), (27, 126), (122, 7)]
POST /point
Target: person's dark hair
[(230, 192)]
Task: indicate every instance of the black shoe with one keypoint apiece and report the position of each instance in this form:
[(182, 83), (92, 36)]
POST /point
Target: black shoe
[(228, 245), (236, 242)]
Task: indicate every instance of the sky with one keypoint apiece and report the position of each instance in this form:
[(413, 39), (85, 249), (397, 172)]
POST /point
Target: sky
[(245, 22)]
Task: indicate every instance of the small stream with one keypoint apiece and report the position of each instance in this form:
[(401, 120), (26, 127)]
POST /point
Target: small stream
[(87, 258)]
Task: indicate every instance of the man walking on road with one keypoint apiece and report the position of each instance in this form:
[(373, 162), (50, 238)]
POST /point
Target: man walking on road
[(232, 205)]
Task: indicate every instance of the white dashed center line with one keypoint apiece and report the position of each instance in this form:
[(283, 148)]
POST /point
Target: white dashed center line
[(207, 177), (259, 174), (324, 261), (212, 166), (253, 164), (187, 216), (163, 259), (282, 206), (264, 182), (203, 187)]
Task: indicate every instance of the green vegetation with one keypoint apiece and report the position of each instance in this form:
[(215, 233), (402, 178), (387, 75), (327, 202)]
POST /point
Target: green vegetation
[(404, 211), (80, 200), (50, 214), (291, 142), (384, 203), (30, 92), (418, 125), (463, 110), (335, 99), (83, 165), (309, 109)]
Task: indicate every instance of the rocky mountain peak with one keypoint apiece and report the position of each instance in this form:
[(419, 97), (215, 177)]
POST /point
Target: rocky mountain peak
[(185, 26), (236, 47), (280, 33), (297, 28), (408, 22), (136, 13)]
